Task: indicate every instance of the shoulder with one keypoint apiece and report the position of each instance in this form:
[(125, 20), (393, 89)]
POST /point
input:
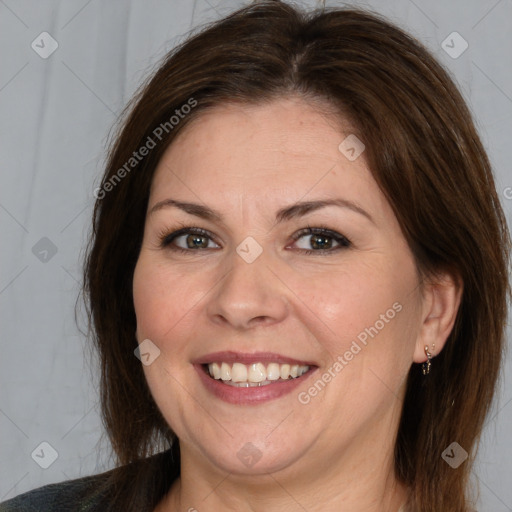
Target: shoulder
[(145, 480), (82, 494)]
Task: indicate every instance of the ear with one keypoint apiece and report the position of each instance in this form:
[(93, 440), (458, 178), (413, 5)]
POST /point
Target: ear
[(441, 300)]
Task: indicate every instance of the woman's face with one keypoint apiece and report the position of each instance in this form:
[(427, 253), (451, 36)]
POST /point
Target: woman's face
[(275, 285)]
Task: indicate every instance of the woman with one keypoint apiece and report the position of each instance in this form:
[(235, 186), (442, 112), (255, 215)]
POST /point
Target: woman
[(297, 278)]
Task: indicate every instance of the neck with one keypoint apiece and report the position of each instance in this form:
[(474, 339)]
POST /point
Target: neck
[(269, 493)]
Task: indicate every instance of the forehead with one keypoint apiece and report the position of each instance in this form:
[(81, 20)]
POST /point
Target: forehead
[(288, 146)]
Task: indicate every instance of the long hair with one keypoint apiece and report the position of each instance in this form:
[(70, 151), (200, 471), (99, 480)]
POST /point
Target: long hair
[(422, 149)]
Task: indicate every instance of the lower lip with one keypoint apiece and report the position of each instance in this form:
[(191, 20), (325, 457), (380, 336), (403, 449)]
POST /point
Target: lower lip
[(249, 395)]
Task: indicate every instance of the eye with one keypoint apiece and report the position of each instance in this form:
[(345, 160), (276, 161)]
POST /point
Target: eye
[(187, 240), (309, 240), (320, 240)]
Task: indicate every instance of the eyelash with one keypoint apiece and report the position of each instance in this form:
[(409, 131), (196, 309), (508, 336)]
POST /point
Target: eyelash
[(167, 238)]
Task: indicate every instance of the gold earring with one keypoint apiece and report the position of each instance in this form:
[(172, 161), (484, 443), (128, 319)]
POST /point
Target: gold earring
[(427, 364)]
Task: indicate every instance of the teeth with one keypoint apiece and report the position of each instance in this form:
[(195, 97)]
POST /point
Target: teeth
[(254, 374), (239, 373), (215, 371), (285, 371), (273, 372), (257, 373), (225, 372)]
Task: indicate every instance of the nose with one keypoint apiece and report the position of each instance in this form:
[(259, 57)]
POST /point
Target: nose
[(248, 296)]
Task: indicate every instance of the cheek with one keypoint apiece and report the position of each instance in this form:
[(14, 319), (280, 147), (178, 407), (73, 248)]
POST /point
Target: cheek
[(164, 298), (366, 314), (352, 297), (366, 318), (167, 300)]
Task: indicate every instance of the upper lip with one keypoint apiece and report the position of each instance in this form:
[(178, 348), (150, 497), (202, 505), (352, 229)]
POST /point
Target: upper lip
[(230, 356)]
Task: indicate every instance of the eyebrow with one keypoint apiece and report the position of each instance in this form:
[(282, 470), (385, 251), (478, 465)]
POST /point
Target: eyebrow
[(287, 213)]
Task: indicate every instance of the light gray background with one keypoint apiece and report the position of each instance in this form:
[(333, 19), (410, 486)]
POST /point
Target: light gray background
[(55, 115)]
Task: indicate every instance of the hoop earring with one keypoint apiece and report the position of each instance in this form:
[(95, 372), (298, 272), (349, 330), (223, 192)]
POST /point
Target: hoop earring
[(427, 364)]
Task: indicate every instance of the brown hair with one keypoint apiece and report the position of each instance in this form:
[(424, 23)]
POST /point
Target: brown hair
[(422, 149)]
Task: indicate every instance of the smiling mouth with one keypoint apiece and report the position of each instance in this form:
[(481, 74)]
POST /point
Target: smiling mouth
[(254, 374)]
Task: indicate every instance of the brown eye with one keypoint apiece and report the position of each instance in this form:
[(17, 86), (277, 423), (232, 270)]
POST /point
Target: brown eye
[(195, 241), (188, 239), (320, 240)]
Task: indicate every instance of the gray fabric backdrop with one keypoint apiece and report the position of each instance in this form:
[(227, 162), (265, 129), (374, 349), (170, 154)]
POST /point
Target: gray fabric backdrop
[(55, 113)]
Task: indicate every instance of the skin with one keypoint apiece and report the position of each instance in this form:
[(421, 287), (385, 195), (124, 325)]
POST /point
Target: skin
[(335, 452)]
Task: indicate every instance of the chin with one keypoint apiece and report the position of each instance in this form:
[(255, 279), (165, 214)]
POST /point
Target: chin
[(252, 459)]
